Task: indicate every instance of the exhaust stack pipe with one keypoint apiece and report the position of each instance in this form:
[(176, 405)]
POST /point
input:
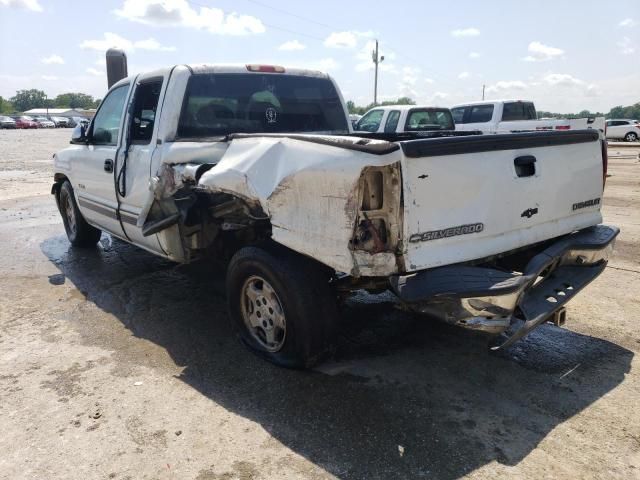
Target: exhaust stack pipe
[(116, 66)]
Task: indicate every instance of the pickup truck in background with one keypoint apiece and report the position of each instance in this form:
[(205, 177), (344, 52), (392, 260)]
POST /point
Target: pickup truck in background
[(405, 118), (513, 116), (257, 166)]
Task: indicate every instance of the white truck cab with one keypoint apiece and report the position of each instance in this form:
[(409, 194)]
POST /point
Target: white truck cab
[(257, 166), (512, 116), (405, 118)]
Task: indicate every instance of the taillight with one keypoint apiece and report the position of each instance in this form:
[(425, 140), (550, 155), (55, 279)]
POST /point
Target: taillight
[(605, 161), (563, 127), (265, 68)]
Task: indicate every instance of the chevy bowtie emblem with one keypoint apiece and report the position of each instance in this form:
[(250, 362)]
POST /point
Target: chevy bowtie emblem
[(529, 212)]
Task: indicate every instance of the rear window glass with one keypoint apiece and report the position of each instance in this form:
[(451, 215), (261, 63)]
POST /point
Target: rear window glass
[(431, 119), (220, 104), (518, 111)]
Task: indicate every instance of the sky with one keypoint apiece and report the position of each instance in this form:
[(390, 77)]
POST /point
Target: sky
[(566, 56)]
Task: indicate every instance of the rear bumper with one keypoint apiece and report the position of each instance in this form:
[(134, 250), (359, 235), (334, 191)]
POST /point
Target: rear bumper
[(494, 301)]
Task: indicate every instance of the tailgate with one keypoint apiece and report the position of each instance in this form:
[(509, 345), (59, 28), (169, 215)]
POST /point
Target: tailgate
[(468, 198)]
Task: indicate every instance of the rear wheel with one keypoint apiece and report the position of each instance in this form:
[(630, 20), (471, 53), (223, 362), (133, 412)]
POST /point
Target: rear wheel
[(631, 137), (281, 306), (79, 232)]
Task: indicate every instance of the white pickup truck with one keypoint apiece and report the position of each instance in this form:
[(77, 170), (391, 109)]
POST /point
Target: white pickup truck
[(258, 166), (405, 118), (514, 116)]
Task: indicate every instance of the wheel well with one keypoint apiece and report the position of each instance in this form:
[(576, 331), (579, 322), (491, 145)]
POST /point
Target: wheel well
[(59, 179)]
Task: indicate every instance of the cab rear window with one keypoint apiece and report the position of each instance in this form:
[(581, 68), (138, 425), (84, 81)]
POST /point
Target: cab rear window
[(429, 119), (222, 104)]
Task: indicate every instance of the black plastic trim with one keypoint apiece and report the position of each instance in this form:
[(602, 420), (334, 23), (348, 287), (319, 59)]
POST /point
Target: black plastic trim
[(489, 143)]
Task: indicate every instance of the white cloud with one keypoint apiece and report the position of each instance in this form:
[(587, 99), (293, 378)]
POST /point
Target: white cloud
[(465, 32), (506, 85), (563, 80), (429, 81), (628, 22), (178, 13), (292, 45), (539, 52), (341, 40), (626, 46), (112, 40), (57, 59), (474, 55), (33, 5), (95, 71), (463, 75), (49, 77)]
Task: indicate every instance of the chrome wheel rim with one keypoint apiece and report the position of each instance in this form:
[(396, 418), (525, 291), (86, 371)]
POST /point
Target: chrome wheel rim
[(70, 214), (263, 314)]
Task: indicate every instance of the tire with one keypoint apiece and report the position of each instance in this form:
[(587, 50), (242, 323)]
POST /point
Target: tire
[(298, 306), (79, 232), (631, 137)]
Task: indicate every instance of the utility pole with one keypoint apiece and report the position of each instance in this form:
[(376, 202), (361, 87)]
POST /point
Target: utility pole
[(483, 92), (376, 60)]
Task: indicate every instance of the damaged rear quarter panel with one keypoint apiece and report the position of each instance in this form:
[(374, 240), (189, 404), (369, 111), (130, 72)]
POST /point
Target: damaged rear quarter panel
[(310, 193)]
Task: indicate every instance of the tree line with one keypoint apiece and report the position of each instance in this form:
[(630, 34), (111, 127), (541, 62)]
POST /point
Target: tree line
[(631, 111), (27, 99)]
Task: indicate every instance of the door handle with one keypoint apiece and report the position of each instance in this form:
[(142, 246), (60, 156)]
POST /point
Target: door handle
[(108, 165), (525, 165)]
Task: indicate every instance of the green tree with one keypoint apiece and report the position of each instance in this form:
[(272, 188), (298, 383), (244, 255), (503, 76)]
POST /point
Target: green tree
[(74, 100), (28, 99), (5, 106)]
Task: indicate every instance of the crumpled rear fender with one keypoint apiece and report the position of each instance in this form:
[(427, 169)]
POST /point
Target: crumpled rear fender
[(310, 192)]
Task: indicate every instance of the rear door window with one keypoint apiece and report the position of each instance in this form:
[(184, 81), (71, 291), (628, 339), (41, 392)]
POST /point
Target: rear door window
[(145, 105), (480, 114), (458, 114), (392, 121)]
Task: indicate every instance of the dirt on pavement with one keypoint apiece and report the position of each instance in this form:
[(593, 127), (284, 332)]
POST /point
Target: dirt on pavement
[(118, 364)]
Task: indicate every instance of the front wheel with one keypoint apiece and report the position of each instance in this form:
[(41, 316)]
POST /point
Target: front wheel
[(79, 232), (281, 306), (631, 137)]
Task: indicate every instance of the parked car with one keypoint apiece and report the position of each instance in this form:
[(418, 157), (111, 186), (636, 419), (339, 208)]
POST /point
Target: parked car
[(26, 121), (353, 118), (44, 122), (60, 122), (511, 116), (74, 121), (623, 129), (405, 118), (493, 235), (7, 122)]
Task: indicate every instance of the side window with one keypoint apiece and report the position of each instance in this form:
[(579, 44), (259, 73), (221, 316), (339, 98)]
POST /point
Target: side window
[(106, 123), (458, 114), (144, 111), (481, 114), (392, 121), (371, 121)]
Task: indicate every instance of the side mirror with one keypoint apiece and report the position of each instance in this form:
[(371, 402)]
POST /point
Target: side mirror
[(79, 135)]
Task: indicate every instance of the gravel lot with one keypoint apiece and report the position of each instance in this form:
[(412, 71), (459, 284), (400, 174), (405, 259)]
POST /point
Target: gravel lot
[(117, 364)]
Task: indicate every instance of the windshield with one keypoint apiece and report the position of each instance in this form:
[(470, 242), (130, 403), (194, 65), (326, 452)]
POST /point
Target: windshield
[(429, 119), (221, 104)]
